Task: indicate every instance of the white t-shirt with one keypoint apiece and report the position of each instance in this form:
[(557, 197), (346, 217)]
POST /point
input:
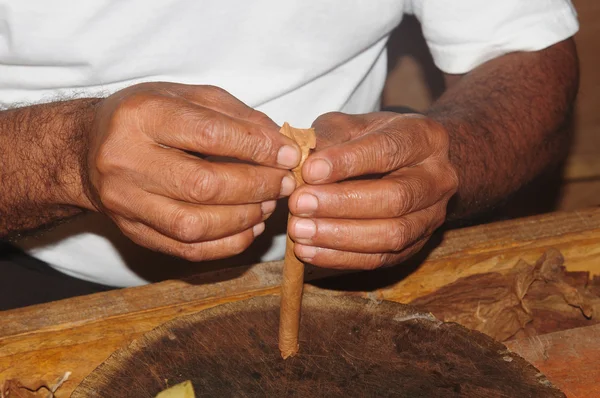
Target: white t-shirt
[(293, 60)]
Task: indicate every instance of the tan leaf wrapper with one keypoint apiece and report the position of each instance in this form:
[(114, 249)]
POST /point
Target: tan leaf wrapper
[(293, 269)]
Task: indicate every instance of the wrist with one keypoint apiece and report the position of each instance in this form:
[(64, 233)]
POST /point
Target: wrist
[(73, 127)]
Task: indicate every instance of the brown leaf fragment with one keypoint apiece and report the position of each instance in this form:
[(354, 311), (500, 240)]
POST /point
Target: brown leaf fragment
[(524, 276), (552, 271), (525, 301), (12, 388), (486, 302)]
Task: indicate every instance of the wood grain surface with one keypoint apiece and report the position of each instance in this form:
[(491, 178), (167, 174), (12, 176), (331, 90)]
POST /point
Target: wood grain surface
[(571, 358), (351, 347), (76, 335)]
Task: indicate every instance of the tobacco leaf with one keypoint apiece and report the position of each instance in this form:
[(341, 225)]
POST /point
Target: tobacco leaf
[(13, 388), (526, 301)]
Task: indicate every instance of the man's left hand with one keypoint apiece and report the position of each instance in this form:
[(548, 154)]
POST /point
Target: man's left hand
[(377, 188)]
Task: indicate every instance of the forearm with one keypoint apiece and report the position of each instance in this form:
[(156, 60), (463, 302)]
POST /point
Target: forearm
[(41, 150), (507, 123)]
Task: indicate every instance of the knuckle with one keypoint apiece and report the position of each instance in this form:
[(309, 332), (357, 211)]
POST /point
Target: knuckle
[(452, 178), (397, 235), (330, 118), (249, 216), (111, 157), (202, 186), (133, 108), (106, 159), (135, 102), (403, 196), (186, 226), (266, 185), (350, 163), (257, 182), (445, 178), (214, 91), (262, 150), (391, 146), (436, 216), (109, 198), (149, 86), (397, 203), (151, 103), (207, 127), (260, 118)]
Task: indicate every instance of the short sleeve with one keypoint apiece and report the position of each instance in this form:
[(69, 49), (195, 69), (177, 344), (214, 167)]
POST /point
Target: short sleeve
[(464, 34)]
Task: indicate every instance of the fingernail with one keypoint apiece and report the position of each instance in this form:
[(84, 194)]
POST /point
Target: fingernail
[(305, 252), (304, 229), (258, 229), (288, 156), (319, 170), (306, 204), (288, 185), (268, 207)]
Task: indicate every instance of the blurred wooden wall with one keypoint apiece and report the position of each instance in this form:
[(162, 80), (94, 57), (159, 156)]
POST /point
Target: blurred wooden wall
[(414, 81)]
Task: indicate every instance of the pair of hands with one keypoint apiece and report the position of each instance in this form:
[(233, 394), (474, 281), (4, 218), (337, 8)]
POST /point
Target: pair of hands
[(145, 169)]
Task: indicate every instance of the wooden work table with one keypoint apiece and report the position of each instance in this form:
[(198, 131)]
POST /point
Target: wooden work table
[(43, 342)]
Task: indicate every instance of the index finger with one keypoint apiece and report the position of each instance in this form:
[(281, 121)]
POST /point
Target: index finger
[(220, 100), (178, 123), (387, 148), (181, 176)]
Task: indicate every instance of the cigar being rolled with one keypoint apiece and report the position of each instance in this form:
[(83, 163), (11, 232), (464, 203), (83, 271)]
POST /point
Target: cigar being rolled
[(293, 269)]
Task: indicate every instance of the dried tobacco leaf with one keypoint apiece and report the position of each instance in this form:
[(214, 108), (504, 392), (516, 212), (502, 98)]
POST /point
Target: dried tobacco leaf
[(526, 301)]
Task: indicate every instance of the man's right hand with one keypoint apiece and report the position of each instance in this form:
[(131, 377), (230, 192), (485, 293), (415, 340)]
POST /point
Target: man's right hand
[(143, 170)]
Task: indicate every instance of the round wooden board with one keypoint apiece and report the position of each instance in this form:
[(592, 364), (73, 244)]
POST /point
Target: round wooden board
[(349, 347)]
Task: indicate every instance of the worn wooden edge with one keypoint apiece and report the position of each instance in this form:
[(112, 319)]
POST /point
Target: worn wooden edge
[(106, 305), (483, 240), (568, 357), (513, 233), (389, 309)]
